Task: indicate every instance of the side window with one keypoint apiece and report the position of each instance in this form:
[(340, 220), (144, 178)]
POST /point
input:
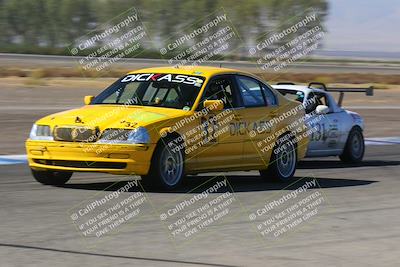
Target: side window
[(221, 88), (293, 94), (316, 99), (269, 96), (323, 99), (251, 92)]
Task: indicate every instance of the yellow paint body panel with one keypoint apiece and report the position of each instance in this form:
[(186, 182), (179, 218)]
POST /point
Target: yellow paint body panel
[(231, 152)]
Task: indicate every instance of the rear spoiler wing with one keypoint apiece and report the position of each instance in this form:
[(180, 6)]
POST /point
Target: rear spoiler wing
[(368, 91)]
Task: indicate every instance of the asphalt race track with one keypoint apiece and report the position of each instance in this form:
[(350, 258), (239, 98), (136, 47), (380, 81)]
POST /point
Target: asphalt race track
[(358, 226)]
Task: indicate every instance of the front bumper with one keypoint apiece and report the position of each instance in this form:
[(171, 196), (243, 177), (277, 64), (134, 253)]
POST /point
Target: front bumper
[(89, 157)]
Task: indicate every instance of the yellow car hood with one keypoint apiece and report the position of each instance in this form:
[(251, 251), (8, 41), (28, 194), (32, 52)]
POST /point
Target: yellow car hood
[(112, 116)]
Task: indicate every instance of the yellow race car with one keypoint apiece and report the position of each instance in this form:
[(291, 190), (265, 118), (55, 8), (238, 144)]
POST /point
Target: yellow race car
[(164, 123)]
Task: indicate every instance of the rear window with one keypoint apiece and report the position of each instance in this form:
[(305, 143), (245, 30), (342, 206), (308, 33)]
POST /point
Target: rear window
[(293, 94)]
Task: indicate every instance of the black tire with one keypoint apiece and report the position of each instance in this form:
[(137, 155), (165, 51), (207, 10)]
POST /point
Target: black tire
[(283, 162), (354, 149), (51, 177), (167, 165)]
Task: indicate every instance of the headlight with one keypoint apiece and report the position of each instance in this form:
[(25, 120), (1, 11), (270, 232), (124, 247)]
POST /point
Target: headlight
[(122, 136), (40, 132)]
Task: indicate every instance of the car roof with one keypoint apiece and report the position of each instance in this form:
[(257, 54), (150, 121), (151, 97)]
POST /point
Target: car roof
[(303, 88), (205, 71)]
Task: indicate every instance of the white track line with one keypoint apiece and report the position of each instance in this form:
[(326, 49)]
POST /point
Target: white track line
[(13, 159), (382, 141)]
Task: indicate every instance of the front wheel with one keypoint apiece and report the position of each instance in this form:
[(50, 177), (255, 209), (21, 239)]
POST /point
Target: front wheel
[(167, 166), (354, 150), (283, 162), (51, 177)]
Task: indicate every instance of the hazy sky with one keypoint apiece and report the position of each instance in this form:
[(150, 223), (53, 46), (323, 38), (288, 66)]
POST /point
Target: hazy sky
[(363, 25)]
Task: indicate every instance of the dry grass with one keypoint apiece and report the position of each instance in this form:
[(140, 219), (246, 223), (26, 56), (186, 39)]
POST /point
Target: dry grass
[(59, 72)]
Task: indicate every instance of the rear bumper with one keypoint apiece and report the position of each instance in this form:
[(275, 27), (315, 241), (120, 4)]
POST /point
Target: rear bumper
[(89, 157)]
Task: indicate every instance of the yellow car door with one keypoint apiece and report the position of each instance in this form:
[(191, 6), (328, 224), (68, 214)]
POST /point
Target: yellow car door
[(260, 107), (220, 146)]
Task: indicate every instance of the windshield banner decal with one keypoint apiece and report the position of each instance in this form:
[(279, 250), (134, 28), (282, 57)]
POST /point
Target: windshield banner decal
[(175, 78)]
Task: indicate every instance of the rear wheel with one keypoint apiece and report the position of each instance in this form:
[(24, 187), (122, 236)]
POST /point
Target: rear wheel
[(354, 150), (167, 166), (51, 177), (283, 161)]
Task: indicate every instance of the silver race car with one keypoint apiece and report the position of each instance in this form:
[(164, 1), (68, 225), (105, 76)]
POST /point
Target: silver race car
[(335, 131)]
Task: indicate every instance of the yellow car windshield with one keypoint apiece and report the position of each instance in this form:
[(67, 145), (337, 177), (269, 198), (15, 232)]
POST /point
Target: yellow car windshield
[(153, 89)]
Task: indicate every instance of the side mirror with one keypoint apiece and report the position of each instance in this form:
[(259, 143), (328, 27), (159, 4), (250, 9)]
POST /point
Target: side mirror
[(213, 105), (322, 109), (88, 99)]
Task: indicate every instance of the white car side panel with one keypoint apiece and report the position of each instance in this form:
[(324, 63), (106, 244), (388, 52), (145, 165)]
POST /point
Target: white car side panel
[(332, 131)]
